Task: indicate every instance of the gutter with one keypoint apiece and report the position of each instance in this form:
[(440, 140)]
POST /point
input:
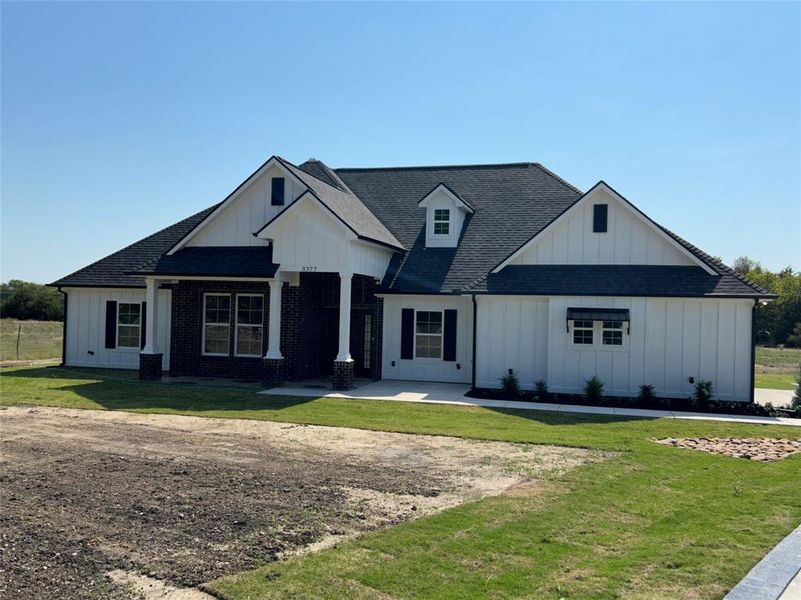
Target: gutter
[(475, 321), (64, 331)]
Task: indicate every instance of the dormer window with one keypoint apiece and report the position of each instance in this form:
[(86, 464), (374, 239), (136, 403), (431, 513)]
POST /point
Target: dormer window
[(442, 221), (446, 214)]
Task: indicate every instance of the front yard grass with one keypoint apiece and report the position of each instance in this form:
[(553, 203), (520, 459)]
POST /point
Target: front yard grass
[(651, 522)]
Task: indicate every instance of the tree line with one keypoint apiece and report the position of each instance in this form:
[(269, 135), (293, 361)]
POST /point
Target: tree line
[(777, 322), (30, 301)]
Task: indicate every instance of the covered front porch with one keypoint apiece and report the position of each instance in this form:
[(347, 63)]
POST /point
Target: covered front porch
[(289, 327)]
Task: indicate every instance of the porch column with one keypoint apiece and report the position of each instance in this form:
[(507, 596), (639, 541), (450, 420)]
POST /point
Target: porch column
[(343, 365), (274, 331), (150, 357), (273, 367)]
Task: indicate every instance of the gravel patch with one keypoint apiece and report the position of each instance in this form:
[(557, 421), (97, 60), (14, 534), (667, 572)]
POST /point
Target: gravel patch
[(762, 449)]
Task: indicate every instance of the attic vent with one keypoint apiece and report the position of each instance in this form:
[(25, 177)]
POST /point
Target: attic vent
[(599, 217)]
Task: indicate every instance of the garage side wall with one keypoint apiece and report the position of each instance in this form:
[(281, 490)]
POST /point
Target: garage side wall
[(86, 327), (669, 341), (427, 369)]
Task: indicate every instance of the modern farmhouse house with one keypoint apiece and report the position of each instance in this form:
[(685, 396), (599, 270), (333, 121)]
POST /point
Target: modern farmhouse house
[(451, 274)]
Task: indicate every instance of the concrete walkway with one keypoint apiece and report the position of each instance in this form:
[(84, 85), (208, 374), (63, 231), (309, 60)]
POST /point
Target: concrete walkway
[(452, 393), (775, 577), (777, 398)]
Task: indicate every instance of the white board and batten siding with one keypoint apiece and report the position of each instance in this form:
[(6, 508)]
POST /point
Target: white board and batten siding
[(512, 333), (249, 212), (86, 328), (670, 340), (628, 239), (309, 239), (427, 369)]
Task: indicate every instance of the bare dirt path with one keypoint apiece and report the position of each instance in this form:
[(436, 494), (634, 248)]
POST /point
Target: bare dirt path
[(185, 500)]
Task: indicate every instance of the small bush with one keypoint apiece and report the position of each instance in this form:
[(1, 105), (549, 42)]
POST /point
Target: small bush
[(646, 393), (795, 404), (594, 389), (540, 390), (510, 384), (702, 393)]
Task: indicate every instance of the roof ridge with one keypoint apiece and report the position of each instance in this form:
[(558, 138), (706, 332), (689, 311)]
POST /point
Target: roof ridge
[(547, 171), (441, 167), (340, 184)]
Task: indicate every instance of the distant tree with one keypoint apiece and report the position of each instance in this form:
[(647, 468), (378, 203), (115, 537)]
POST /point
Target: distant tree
[(778, 318), (795, 338), (30, 301)]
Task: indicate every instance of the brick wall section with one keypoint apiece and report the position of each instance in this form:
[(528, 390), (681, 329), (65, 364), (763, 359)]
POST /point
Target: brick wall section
[(150, 367), (186, 341), (303, 318)]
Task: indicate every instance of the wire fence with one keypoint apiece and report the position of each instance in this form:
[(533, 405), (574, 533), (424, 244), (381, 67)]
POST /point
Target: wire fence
[(30, 340)]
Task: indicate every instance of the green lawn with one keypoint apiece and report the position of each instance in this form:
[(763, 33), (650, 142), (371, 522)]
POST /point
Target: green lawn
[(780, 359), (652, 522), (776, 381), (37, 339)]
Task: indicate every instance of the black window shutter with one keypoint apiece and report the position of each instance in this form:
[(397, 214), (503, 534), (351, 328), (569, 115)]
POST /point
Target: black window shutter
[(277, 192), (449, 336), (143, 326), (407, 333), (599, 217), (449, 333), (111, 324)]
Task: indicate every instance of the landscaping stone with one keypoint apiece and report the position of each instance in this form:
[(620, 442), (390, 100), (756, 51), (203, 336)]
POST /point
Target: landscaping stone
[(762, 449)]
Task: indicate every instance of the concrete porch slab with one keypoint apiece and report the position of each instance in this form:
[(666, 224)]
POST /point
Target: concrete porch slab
[(387, 389)]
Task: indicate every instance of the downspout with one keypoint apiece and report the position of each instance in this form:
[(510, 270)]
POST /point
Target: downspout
[(475, 320), (753, 349), (64, 331)]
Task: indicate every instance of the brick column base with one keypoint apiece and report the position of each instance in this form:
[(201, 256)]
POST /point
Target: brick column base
[(150, 367), (272, 373), (343, 375)]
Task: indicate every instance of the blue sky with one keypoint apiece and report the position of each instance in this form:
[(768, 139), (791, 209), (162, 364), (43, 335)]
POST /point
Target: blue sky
[(121, 118)]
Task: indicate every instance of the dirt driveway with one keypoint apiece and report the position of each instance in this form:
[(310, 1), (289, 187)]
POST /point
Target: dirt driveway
[(185, 500)]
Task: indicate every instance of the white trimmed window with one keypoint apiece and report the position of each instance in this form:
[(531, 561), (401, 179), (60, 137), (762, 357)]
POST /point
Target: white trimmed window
[(216, 324), (583, 333), (129, 324), (249, 324), (442, 221), (612, 333), (428, 334)]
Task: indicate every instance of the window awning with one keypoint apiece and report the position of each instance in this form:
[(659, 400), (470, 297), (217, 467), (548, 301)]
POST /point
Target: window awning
[(598, 314)]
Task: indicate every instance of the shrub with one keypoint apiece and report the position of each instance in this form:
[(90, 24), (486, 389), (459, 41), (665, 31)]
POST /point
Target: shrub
[(703, 392), (540, 389), (510, 384), (795, 403), (646, 393), (594, 389)]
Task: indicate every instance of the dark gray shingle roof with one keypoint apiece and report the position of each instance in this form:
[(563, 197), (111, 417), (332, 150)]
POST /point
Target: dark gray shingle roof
[(512, 203), (353, 212), (614, 280), (214, 261), (112, 271)]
